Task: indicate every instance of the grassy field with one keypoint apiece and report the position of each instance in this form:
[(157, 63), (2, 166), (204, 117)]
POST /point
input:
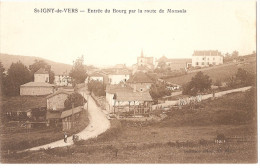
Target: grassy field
[(22, 103), (185, 136), (25, 140), (222, 73)]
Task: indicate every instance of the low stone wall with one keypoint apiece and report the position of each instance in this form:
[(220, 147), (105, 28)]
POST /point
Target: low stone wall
[(199, 98)]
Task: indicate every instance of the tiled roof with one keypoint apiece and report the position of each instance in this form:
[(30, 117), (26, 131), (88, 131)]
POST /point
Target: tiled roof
[(118, 88), (133, 96), (37, 84), (60, 92), (207, 53), (162, 59), (178, 61), (140, 77), (120, 72), (98, 74), (41, 71), (67, 113), (53, 115)]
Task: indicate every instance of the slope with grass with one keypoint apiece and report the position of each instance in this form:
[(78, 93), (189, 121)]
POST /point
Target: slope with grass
[(221, 72), (185, 136)]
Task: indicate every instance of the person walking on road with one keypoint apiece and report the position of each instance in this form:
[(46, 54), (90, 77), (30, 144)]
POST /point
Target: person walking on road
[(65, 137)]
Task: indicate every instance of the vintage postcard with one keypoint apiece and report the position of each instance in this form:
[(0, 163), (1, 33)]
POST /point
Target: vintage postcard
[(128, 82)]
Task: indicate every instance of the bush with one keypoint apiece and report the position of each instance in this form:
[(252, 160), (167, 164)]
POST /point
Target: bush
[(75, 98), (198, 83)]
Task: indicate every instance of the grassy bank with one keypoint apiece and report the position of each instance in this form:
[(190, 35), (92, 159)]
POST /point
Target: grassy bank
[(20, 141), (185, 136)]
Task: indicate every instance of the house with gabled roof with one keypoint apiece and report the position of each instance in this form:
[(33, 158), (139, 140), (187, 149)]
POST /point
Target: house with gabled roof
[(122, 99), (140, 82), (118, 75), (55, 101), (40, 86), (206, 58), (174, 64)]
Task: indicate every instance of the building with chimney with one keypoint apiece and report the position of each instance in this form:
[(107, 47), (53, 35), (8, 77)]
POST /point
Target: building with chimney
[(207, 58), (40, 86), (143, 64)]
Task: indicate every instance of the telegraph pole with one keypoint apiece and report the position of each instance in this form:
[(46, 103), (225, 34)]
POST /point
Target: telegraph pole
[(72, 117)]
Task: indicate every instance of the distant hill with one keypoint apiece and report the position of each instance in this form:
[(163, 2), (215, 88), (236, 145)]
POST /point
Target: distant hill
[(58, 68), (220, 72)]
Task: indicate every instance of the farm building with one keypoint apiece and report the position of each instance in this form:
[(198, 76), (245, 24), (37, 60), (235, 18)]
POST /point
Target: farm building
[(65, 119), (56, 100), (122, 98), (36, 89), (119, 75), (40, 86), (140, 82), (41, 76), (174, 64)]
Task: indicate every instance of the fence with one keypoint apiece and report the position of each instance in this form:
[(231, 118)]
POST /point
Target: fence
[(188, 100)]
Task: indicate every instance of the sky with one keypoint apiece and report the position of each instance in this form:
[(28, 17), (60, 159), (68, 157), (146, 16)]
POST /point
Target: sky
[(107, 39)]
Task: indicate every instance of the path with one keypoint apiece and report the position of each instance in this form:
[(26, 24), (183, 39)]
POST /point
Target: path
[(98, 123), (204, 97)]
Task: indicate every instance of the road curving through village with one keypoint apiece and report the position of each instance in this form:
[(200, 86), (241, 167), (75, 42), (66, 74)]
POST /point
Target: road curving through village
[(98, 123)]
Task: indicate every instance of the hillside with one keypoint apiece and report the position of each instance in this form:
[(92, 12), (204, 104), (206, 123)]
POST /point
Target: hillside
[(58, 68), (221, 72)]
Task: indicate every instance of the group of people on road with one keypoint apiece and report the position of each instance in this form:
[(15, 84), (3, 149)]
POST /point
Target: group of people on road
[(74, 137)]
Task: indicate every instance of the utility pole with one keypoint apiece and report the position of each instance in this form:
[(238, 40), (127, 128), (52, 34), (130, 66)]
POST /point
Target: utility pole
[(72, 117)]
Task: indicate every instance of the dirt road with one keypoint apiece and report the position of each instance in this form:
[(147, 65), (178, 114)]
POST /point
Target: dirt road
[(98, 123)]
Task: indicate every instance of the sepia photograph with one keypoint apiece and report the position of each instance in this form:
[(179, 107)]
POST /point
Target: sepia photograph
[(128, 82)]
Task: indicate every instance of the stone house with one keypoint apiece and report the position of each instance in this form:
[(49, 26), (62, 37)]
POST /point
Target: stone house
[(55, 101), (119, 75), (123, 98), (36, 89), (140, 82), (40, 86)]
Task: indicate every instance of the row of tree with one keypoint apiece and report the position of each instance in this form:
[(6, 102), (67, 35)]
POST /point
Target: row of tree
[(19, 74), (201, 82)]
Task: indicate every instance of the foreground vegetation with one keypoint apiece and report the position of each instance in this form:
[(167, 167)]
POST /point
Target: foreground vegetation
[(20, 141), (185, 136)]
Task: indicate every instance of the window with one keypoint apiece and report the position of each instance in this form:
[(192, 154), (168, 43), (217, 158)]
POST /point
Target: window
[(197, 63), (141, 89), (202, 63)]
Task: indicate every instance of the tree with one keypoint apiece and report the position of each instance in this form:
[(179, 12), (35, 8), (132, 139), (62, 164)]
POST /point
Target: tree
[(18, 74), (78, 72), (244, 78), (198, 83), (159, 90), (235, 54), (2, 77), (75, 98), (38, 64), (97, 87)]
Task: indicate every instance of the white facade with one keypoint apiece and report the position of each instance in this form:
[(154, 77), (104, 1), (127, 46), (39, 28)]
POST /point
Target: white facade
[(97, 78), (41, 78), (62, 80), (203, 61), (117, 78), (111, 102)]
